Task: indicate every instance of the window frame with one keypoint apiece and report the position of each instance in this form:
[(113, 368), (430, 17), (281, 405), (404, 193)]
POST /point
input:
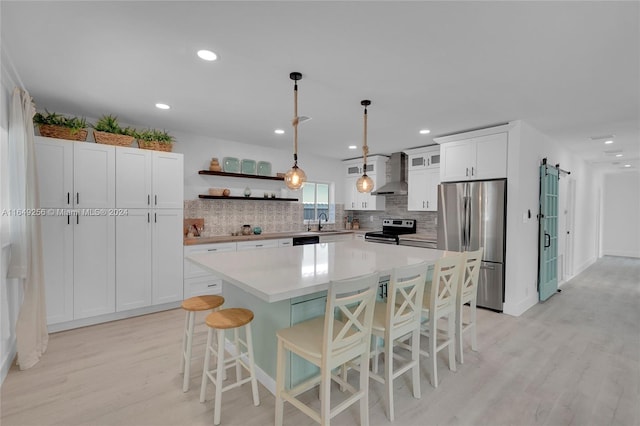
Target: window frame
[(331, 209)]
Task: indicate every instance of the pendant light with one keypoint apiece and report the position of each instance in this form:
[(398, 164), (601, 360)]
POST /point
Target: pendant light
[(295, 177), (365, 183)]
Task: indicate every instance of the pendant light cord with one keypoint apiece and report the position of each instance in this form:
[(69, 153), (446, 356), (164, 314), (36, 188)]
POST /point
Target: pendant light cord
[(365, 148), (295, 123)]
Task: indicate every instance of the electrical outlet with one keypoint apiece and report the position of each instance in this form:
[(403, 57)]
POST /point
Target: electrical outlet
[(371, 218)]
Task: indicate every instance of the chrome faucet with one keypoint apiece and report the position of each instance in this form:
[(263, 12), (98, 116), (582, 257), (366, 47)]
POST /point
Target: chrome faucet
[(326, 219)]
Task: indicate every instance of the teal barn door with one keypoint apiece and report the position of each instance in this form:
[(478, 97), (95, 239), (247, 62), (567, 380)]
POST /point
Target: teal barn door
[(548, 234)]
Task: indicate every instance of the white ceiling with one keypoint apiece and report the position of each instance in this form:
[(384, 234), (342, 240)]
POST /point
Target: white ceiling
[(570, 69)]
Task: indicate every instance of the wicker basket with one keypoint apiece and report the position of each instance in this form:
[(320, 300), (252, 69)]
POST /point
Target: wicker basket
[(61, 132), (155, 145), (112, 138)]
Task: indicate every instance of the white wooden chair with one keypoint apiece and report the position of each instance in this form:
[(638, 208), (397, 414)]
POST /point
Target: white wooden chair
[(468, 293), (330, 343), (440, 303), (399, 318)]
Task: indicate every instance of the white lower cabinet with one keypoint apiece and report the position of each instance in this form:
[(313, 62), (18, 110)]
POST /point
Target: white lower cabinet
[(198, 281), (258, 244), (57, 248), (285, 242), (94, 267), (166, 238), (133, 260)]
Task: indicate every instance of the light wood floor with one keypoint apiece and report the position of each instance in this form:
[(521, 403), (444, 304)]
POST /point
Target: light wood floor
[(574, 360)]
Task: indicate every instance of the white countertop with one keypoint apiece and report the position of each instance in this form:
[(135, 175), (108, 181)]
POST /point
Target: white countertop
[(275, 274)]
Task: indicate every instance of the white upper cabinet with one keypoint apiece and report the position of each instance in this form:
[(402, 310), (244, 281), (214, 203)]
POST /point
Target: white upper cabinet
[(423, 178), (94, 168), (75, 174), (429, 158), (168, 180), (482, 157), (133, 178), (376, 170)]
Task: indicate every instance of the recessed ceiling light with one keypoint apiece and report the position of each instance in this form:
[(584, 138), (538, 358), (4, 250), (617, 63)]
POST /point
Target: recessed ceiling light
[(207, 55), (618, 155), (425, 131), (353, 147), (627, 165), (608, 142), (162, 106), (278, 132)]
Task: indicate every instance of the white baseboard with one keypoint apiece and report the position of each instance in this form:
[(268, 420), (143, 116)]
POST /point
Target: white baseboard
[(62, 326), (622, 253), (582, 267), (518, 308)]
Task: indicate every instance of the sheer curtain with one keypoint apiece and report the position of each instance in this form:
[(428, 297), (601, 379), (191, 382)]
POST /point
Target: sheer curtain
[(25, 262)]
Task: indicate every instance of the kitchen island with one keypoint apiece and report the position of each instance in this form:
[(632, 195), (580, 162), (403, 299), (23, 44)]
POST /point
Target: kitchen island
[(284, 286)]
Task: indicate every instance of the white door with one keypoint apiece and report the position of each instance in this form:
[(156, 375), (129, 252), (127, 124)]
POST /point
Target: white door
[(57, 251), (133, 260), (93, 175), (54, 164), (94, 266), (432, 179), (133, 178), (167, 252), (168, 177)]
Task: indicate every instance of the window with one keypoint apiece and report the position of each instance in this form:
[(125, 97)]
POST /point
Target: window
[(317, 199)]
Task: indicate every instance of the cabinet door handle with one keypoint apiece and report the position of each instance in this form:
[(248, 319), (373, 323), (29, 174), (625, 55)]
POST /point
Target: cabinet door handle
[(423, 161), (259, 245), (423, 204), (155, 217), (156, 199), (212, 250), (472, 171), (148, 217), (427, 204), (78, 219), (148, 199), (77, 198), (428, 162), (68, 220), (212, 285), (466, 173), (68, 198)]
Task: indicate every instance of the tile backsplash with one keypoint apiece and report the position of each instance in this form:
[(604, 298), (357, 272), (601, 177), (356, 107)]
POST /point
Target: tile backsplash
[(222, 217), (396, 208)]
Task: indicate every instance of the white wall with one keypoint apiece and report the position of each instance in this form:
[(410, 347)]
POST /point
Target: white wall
[(198, 151), (527, 148), (621, 214)]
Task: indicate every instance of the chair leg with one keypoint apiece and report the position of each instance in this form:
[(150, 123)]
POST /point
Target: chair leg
[(187, 361), (345, 375), (473, 316), (236, 339), (252, 366), (415, 358), (388, 375), (280, 369), (325, 396), (459, 334), (205, 368), (376, 354), (451, 337), (433, 355), (219, 374), (184, 341), (364, 385)]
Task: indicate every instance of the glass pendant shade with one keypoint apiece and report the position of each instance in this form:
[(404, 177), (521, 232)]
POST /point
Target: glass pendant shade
[(295, 177), (364, 183)]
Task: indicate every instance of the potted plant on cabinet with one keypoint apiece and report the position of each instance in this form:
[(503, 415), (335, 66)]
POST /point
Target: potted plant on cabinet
[(158, 140), (107, 130), (53, 125)]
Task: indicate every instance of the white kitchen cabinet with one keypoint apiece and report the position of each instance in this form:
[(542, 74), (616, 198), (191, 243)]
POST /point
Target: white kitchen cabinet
[(256, 244), (148, 178), (428, 157), (198, 281), (94, 283), (75, 174), (167, 255), (376, 170), (482, 157), (285, 242), (133, 258), (57, 246), (423, 189)]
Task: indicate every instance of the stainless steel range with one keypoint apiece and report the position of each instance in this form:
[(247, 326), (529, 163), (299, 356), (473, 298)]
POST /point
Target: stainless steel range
[(391, 229)]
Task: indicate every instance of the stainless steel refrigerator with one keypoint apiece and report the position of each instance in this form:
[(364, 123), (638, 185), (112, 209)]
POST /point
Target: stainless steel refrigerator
[(473, 215)]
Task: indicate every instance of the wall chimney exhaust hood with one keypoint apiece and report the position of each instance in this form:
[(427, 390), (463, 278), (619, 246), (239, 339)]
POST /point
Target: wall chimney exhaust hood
[(397, 184)]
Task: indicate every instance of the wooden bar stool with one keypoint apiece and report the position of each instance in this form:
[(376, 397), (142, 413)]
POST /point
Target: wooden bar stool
[(193, 305), (232, 318)]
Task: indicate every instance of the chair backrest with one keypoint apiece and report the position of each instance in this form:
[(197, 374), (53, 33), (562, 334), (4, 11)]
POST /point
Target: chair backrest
[(444, 285), (353, 301), (468, 287), (404, 302)]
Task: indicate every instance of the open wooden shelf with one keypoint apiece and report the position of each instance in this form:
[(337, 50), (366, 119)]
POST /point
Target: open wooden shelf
[(239, 175), (222, 197)]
